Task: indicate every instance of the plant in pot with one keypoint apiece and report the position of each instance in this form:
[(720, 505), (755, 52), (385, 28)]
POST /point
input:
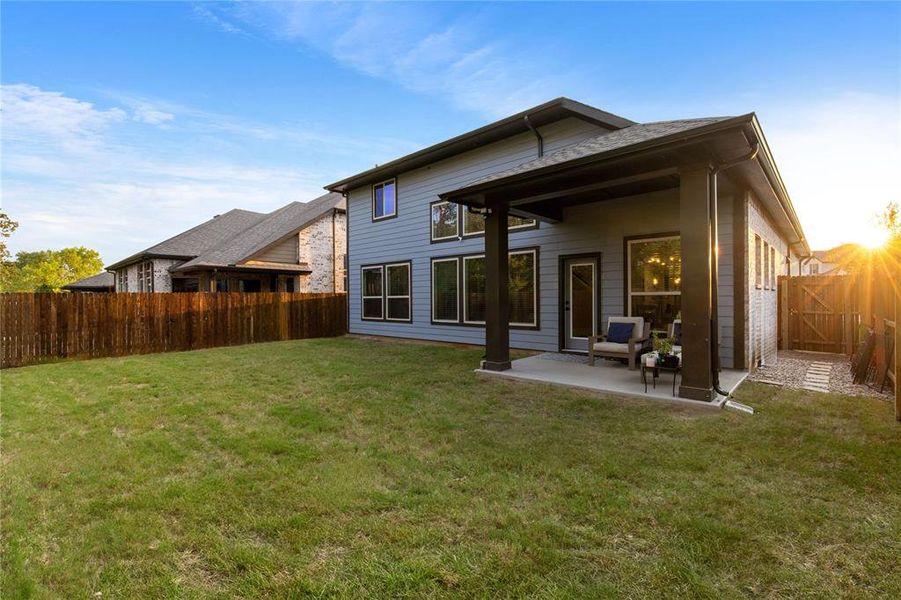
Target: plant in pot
[(664, 348)]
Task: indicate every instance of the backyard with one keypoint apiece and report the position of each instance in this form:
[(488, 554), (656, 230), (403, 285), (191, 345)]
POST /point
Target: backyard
[(349, 467)]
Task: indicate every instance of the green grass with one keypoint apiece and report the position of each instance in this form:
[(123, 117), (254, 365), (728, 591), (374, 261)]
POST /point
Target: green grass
[(350, 467)]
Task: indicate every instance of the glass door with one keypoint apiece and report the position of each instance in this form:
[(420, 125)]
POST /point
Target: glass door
[(579, 302)]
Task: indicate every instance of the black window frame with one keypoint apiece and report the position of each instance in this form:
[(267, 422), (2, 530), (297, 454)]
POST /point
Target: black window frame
[(383, 267), (461, 287), (372, 189), (627, 268), (461, 218)]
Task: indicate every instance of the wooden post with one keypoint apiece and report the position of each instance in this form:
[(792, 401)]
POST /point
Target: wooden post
[(497, 293), (694, 226), (897, 369)]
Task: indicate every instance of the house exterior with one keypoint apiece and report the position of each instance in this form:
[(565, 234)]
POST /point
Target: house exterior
[(819, 263), (587, 215), (298, 248), (99, 283)]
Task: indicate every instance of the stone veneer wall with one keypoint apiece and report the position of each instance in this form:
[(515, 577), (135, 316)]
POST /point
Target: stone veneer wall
[(162, 281), (323, 253)]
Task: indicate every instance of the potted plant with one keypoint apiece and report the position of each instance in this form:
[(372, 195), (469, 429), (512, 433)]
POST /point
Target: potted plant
[(664, 348)]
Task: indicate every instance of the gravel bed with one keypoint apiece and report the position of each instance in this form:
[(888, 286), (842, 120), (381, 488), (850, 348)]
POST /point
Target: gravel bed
[(792, 366)]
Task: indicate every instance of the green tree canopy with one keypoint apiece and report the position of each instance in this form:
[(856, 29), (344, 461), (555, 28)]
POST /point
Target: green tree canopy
[(49, 270)]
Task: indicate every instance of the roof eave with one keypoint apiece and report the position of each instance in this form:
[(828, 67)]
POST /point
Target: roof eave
[(134, 258), (481, 136)]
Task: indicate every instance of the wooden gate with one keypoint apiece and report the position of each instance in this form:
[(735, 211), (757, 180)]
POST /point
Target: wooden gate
[(818, 313)]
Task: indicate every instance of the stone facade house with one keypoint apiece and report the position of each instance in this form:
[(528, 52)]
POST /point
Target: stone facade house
[(298, 248)]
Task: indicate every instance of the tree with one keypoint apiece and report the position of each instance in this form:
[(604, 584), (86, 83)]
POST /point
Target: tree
[(7, 227), (49, 270)]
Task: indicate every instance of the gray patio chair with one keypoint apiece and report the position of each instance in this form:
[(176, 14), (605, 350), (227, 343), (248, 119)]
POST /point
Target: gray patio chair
[(599, 346)]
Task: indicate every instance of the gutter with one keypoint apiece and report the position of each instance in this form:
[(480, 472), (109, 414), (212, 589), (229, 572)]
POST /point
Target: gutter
[(537, 135), (713, 224)]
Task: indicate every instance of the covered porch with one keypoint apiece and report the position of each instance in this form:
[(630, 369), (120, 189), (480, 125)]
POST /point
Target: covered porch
[(686, 158)]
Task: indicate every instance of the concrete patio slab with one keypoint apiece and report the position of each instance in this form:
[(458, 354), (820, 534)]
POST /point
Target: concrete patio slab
[(607, 378)]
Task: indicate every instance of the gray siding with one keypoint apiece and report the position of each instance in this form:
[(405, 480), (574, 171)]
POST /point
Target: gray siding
[(599, 227)]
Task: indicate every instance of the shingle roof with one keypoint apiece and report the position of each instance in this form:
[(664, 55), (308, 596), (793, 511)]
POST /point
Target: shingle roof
[(100, 280), (270, 229), (237, 234), (613, 140)]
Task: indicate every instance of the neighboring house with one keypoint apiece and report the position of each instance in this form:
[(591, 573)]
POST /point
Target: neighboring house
[(587, 215), (102, 282), (819, 263), (297, 248)]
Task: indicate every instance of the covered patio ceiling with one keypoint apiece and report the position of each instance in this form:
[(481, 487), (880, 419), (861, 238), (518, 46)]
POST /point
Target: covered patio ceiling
[(544, 187)]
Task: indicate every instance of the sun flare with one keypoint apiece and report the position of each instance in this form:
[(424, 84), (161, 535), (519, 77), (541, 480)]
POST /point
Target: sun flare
[(875, 238)]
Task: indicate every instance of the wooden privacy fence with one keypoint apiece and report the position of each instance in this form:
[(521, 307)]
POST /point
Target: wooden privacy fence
[(36, 328)]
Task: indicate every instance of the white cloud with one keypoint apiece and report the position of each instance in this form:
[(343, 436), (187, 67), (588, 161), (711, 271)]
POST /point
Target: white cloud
[(30, 112), (421, 50), (152, 116)]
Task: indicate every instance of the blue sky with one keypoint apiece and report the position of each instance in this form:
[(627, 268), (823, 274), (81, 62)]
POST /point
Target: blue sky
[(125, 123)]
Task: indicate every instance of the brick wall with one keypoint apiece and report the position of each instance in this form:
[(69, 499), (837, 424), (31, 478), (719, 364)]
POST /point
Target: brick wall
[(763, 321), (319, 249)]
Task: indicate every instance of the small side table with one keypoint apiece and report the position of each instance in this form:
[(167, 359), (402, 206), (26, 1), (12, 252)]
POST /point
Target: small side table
[(656, 373)]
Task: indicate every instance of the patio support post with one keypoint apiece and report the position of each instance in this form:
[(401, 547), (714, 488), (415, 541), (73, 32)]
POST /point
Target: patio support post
[(697, 282), (497, 292)]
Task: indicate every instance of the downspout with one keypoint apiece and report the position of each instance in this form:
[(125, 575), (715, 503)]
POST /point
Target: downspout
[(714, 266), (537, 135)]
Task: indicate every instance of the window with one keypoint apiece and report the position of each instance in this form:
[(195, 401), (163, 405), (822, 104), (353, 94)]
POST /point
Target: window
[(447, 274), (757, 262), (445, 290), (398, 291), (384, 200), (373, 303), (766, 266), (187, 284), (445, 224), (474, 223), (222, 285), (122, 280), (250, 285), (772, 268), (474, 289), (814, 268), (654, 268), (145, 276)]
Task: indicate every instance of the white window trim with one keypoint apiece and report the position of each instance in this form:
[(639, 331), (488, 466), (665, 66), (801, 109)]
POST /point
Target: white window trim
[(534, 322), (630, 293), (408, 296), (363, 298), (372, 194), (456, 262), (454, 235)]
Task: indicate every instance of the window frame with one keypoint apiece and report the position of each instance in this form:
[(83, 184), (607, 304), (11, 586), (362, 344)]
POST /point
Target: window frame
[(409, 296), (461, 220), (773, 256), (448, 238), (766, 265), (461, 288), (457, 272), (758, 264), (145, 275), (382, 184), (627, 266), (363, 297)]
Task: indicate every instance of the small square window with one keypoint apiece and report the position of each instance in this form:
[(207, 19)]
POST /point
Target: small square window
[(445, 221)]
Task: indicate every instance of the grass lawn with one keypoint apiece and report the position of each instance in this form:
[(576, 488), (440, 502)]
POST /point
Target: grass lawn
[(349, 467)]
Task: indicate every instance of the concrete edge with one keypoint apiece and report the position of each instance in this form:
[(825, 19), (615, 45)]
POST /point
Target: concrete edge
[(714, 405)]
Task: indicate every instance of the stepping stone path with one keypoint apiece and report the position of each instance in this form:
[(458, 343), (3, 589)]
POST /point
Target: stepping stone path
[(817, 377)]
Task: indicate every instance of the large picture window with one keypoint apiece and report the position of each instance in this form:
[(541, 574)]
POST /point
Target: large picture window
[(445, 290), (397, 292), (461, 282), (384, 200), (655, 279), (373, 286)]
